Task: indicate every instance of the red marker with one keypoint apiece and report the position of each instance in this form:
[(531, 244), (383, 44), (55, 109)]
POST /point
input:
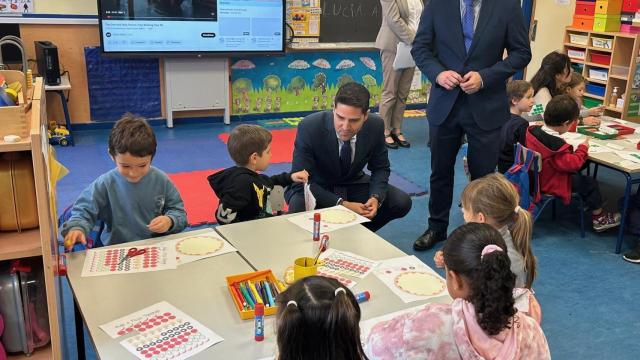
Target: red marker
[(316, 227)]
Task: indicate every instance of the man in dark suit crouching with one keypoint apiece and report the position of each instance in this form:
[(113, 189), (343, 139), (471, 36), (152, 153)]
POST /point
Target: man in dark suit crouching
[(334, 146)]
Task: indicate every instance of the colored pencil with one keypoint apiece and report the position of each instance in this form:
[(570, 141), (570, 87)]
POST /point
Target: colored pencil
[(255, 292), (269, 295), (263, 285), (247, 296), (258, 285), (274, 287), (239, 298)]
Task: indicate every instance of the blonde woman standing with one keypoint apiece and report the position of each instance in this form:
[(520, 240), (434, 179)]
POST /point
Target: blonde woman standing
[(400, 19)]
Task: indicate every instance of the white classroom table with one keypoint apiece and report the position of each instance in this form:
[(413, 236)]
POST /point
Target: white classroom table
[(198, 289)]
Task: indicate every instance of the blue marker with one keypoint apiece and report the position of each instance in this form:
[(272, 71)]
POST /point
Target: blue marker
[(363, 296)]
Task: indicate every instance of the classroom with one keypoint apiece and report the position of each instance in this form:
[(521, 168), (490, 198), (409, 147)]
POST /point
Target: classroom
[(319, 179)]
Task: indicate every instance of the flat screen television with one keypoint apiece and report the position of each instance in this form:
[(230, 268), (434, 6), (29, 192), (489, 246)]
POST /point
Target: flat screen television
[(208, 27)]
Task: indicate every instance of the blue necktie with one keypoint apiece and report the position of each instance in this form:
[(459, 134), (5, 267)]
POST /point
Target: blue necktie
[(467, 23), (345, 158)]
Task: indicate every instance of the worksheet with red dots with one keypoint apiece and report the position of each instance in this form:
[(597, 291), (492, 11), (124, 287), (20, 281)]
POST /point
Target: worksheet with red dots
[(344, 263), (110, 261), (161, 331)]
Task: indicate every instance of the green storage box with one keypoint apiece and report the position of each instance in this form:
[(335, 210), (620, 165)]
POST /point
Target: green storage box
[(603, 22), (589, 103), (595, 132)]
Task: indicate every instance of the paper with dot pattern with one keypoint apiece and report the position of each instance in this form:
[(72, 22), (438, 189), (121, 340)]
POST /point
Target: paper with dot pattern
[(109, 260)]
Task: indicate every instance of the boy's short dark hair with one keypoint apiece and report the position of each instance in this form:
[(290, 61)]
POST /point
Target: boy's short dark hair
[(245, 140), (517, 89), (132, 134), (560, 110), (353, 94)]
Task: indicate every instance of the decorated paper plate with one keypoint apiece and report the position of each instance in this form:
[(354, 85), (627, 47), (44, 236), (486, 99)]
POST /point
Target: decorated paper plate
[(338, 216), (419, 283), (199, 245)]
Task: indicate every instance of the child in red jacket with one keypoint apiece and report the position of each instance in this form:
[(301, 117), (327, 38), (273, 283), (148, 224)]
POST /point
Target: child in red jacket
[(560, 162)]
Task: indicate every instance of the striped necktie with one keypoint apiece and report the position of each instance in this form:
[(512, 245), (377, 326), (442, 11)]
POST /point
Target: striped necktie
[(467, 23)]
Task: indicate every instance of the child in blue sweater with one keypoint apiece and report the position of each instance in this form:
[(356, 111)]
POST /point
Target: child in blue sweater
[(135, 200)]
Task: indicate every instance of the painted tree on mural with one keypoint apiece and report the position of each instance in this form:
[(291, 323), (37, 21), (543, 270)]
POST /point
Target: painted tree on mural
[(320, 82), (346, 78), (296, 85), (242, 85), (271, 83)]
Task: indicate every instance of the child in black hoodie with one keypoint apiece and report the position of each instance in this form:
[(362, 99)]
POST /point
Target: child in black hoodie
[(243, 192)]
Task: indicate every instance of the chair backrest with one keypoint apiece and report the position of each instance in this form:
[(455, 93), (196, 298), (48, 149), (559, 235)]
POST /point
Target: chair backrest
[(524, 174)]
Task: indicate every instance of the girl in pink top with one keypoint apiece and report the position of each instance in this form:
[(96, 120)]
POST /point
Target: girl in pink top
[(481, 323)]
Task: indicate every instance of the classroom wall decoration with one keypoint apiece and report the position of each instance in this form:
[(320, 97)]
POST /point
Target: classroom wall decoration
[(119, 85), (305, 81), (16, 6)]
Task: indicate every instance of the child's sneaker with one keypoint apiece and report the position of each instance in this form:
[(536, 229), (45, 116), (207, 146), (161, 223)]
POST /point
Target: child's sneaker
[(605, 221), (633, 255)]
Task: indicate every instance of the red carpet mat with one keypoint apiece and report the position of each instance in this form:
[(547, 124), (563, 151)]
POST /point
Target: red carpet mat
[(281, 144), (199, 200)]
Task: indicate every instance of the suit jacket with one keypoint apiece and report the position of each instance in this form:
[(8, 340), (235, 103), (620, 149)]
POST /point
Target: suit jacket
[(316, 150), (439, 46), (394, 28)]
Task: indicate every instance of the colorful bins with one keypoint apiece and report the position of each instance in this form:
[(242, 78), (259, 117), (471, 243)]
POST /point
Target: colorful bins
[(630, 5), (596, 89), (608, 7), (606, 22)]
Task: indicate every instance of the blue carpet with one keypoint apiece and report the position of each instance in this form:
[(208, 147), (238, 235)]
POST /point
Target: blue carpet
[(586, 291)]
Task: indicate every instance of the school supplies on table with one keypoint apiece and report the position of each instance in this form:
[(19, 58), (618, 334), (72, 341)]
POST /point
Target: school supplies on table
[(363, 296), (324, 244), (259, 323), (110, 261), (410, 279), (316, 227), (602, 133), (161, 331), (133, 252), (252, 289), (333, 218)]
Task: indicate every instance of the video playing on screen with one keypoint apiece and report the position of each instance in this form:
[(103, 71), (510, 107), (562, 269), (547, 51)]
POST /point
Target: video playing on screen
[(184, 26)]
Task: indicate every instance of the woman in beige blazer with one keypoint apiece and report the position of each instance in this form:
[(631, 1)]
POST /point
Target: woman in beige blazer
[(400, 19)]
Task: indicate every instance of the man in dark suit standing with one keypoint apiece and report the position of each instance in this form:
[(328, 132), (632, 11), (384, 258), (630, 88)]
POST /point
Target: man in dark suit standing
[(459, 46), (334, 146)]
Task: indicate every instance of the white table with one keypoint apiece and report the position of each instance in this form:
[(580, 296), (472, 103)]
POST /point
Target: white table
[(198, 289)]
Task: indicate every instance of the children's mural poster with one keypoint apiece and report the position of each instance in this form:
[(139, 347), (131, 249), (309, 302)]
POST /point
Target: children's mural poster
[(306, 81)]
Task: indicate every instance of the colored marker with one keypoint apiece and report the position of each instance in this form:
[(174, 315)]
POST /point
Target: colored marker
[(268, 288), (258, 285), (255, 292), (239, 298), (363, 296), (247, 296), (316, 227), (259, 324)]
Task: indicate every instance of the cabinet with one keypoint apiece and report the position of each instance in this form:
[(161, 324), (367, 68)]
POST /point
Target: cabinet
[(42, 241), (607, 60)]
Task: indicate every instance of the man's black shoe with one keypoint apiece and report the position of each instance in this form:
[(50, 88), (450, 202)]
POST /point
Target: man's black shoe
[(428, 239)]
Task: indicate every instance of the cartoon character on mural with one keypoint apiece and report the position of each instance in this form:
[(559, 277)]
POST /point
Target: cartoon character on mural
[(246, 103), (320, 82), (315, 103), (267, 108), (277, 104), (324, 101), (238, 107), (258, 106)]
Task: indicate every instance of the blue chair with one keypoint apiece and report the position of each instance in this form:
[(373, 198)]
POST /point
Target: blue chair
[(552, 199), (93, 238)]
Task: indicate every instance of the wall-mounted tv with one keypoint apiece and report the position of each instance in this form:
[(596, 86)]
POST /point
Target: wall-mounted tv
[(191, 26)]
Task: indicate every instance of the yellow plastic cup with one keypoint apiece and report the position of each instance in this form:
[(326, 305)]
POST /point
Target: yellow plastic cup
[(303, 267)]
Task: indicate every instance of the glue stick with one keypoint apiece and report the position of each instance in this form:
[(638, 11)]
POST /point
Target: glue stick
[(316, 227), (259, 311), (363, 296)]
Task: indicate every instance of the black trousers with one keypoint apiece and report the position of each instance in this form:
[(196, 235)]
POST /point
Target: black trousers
[(588, 189), (396, 204), (482, 157)]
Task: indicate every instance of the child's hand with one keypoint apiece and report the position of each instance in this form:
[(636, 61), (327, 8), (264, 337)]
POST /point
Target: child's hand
[(596, 111), (74, 236), (590, 120), (438, 258), (160, 224), (300, 176), (586, 141)]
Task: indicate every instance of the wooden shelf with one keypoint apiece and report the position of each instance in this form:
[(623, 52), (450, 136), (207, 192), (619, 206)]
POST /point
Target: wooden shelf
[(619, 77), (599, 49), (15, 245), (603, 82), (575, 45), (597, 65), (611, 108), (574, 60), (43, 353), (22, 145), (594, 96)]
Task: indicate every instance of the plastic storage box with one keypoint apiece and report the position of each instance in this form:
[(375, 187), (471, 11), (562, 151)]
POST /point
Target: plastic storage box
[(600, 58), (596, 89), (605, 22), (600, 42), (610, 7), (583, 22), (576, 54), (598, 74), (579, 39)]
